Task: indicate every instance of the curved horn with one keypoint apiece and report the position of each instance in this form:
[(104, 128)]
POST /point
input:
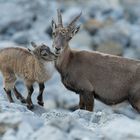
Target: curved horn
[(74, 20), (60, 24)]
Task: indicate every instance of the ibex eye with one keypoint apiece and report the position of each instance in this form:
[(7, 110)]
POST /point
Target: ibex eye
[(63, 32), (44, 53)]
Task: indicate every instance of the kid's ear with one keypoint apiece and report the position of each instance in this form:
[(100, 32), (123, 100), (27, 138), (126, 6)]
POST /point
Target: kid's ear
[(33, 44), (54, 26), (29, 50)]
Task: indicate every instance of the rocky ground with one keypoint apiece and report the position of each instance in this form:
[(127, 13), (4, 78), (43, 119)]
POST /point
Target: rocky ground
[(110, 26)]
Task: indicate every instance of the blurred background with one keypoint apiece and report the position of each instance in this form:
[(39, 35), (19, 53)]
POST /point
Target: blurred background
[(109, 26)]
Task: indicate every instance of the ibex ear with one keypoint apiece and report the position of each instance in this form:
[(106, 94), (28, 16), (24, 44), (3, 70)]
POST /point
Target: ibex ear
[(30, 51), (75, 30), (33, 44), (54, 26)]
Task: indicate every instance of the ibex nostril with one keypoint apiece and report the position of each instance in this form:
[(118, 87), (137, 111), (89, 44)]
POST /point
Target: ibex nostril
[(58, 49)]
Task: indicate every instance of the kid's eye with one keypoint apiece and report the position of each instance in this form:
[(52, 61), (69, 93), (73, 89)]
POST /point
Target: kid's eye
[(53, 34), (44, 53), (63, 33)]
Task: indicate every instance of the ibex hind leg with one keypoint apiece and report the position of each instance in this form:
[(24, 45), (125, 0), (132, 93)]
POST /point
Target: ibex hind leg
[(9, 80), (134, 100), (40, 96), (9, 95), (18, 95), (30, 89)]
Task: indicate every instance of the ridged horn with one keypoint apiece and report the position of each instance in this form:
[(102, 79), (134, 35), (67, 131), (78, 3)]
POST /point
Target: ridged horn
[(60, 24), (74, 20)]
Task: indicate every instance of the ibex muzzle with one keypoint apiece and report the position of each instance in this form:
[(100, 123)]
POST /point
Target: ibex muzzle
[(62, 35), (44, 52)]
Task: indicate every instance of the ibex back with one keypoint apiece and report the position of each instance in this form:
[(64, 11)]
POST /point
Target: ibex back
[(31, 66), (108, 78)]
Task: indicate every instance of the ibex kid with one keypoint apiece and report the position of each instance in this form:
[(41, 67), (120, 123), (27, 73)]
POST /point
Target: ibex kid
[(31, 66), (109, 78)]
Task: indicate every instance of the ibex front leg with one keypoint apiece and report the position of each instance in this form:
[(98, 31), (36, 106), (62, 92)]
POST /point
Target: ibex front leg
[(8, 92), (89, 101), (86, 95), (29, 100), (40, 96), (81, 102), (18, 95)]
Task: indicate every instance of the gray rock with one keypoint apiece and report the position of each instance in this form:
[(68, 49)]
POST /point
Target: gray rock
[(69, 124), (93, 25), (5, 44), (21, 37), (135, 40), (49, 132), (125, 128), (113, 14), (131, 53), (82, 40), (10, 24), (132, 10), (110, 40)]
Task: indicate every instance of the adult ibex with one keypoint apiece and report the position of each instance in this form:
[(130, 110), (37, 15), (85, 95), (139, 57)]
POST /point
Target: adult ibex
[(31, 66), (111, 79)]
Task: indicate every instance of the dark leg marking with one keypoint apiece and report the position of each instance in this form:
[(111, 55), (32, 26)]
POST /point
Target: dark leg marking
[(89, 100), (29, 100), (18, 95), (81, 102), (40, 96), (9, 95), (135, 101)]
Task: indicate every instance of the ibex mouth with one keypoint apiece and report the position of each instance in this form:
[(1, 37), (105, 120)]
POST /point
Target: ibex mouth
[(57, 52), (55, 55)]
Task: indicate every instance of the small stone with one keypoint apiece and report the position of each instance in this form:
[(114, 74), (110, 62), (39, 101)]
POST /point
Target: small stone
[(111, 47), (82, 38), (21, 37), (92, 26)]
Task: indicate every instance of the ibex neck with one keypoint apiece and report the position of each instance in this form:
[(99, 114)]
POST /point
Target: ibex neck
[(63, 59)]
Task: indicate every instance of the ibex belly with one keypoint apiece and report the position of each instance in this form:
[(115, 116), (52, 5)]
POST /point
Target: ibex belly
[(111, 93)]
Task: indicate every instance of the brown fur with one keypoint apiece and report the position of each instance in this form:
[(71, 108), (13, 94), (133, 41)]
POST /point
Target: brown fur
[(19, 62), (109, 78)]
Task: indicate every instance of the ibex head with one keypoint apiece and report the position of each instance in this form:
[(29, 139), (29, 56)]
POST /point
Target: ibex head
[(62, 35), (43, 52)]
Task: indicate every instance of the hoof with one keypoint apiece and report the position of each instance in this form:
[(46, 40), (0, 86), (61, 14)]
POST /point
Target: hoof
[(41, 103), (30, 107), (82, 108), (23, 101)]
